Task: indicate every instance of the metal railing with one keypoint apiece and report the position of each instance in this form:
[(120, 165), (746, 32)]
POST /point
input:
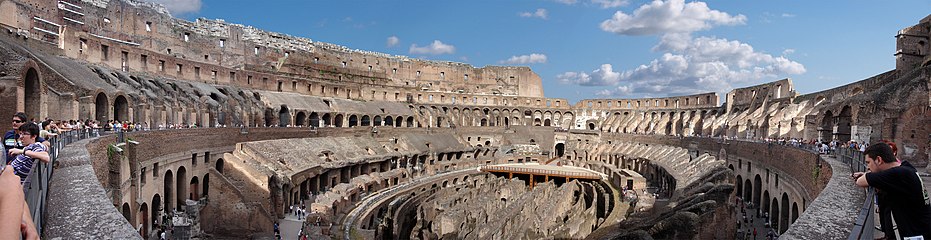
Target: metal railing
[(863, 226), (41, 174)]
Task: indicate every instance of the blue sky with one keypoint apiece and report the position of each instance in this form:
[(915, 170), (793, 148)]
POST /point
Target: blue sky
[(607, 48)]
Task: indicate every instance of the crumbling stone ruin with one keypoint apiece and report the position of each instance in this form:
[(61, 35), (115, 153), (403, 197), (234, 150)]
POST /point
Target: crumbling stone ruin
[(503, 208), (378, 146)]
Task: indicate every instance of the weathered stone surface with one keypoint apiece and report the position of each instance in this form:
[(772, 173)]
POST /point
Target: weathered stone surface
[(507, 209), (830, 215), (78, 207)]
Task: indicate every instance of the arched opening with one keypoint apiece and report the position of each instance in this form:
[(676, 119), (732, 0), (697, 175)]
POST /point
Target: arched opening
[(765, 205), (33, 94), (757, 185), (774, 214), (156, 207), (144, 219), (314, 120), (101, 106), (843, 125), (327, 120), (269, 117), (120, 109), (167, 184), (537, 122), (127, 213), (697, 130), (219, 165), (748, 190), (300, 119), (366, 121), (338, 121), (784, 214), (398, 121), (794, 212), (195, 189), (560, 149), (547, 123), (353, 121), (284, 116), (591, 126), (376, 121), (410, 121), (181, 188), (827, 127), (389, 121), (483, 122), (206, 184)]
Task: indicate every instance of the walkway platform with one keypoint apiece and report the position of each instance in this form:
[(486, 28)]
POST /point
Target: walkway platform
[(547, 172)]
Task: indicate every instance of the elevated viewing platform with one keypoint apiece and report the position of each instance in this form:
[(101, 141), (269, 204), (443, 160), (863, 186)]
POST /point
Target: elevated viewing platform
[(546, 172)]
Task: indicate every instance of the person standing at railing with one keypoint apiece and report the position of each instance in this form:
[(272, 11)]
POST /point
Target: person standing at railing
[(904, 206), (49, 129), (11, 138), (24, 158)]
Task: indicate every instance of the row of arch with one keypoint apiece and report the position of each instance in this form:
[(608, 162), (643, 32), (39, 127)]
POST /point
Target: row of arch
[(668, 123), (177, 187), (782, 211), (315, 119), (509, 117)]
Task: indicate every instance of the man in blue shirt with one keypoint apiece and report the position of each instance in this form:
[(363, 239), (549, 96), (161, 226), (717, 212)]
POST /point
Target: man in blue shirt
[(11, 138)]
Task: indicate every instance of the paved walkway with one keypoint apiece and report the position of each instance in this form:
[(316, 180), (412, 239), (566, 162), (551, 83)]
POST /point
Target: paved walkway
[(78, 206), (290, 227), (831, 215)]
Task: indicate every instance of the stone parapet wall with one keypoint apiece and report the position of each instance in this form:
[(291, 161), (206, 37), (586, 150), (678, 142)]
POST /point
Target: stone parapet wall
[(78, 206)]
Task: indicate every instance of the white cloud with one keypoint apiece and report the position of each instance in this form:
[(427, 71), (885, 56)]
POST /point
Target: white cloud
[(691, 65), (435, 48), (603, 76), (180, 6), (525, 59), (578, 78), (393, 41), (611, 3), (788, 15), (540, 13), (618, 91), (788, 52), (673, 16)]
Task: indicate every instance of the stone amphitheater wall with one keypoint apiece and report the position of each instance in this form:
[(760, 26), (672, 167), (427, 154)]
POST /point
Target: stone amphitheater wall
[(805, 166)]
